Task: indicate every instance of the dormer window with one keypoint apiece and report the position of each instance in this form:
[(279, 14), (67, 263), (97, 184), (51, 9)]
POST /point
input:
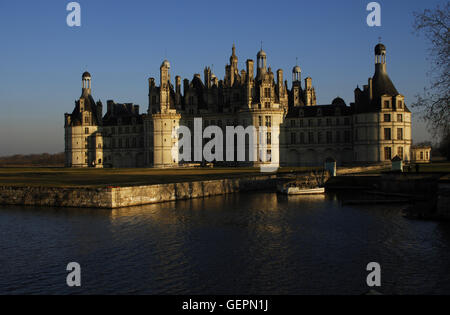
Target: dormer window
[(400, 104), (387, 104)]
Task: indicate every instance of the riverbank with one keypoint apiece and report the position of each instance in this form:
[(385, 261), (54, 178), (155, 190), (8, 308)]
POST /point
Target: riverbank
[(112, 189)]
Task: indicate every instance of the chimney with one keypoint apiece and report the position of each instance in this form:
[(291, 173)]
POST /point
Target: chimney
[(250, 70)]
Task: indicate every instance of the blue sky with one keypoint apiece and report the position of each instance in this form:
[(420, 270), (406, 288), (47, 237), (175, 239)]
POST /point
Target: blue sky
[(122, 44)]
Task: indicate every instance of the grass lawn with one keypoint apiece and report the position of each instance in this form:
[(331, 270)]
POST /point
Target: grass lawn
[(65, 177)]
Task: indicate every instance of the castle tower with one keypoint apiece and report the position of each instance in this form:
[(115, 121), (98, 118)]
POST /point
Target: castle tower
[(382, 122), (296, 86), (162, 125), (261, 58), (82, 129)]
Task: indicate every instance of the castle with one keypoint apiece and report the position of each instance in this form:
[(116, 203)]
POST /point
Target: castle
[(373, 129)]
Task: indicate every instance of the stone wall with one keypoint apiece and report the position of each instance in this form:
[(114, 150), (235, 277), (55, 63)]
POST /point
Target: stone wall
[(116, 197)]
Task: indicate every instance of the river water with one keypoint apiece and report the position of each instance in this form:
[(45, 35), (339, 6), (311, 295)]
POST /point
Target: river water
[(255, 243)]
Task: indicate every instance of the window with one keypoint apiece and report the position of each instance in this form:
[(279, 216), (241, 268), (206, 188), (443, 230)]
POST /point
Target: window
[(113, 130), (387, 117), (268, 121), (399, 133), (328, 121), (346, 121), (269, 138), (400, 118), (260, 121), (387, 134), (428, 155), (293, 138), (269, 155), (300, 123), (338, 136), (292, 123), (120, 143), (400, 104), (421, 155), (400, 152), (319, 137), (86, 120), (387, 153), (267, 105), (347, 136), (302, 138), (338, 122), (310, 122), (267, 93), (310, 137), (387, 104), (319, 122), (99, 146), (329, 137)]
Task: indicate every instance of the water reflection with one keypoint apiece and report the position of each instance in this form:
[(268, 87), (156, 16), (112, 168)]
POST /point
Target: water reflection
[(233, 244)]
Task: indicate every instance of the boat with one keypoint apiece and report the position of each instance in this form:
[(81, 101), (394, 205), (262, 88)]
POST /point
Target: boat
[(294, 190)]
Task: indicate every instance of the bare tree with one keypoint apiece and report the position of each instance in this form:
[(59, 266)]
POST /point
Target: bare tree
[(434, 102)]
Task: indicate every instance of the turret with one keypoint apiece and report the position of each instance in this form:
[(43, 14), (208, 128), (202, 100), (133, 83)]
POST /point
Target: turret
[(86, 82)]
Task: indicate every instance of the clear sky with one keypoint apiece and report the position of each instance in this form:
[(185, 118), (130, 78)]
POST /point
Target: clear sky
[(122, 44)]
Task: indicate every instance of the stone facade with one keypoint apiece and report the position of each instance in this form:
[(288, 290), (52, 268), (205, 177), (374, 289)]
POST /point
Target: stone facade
[(421, 154), (373, 129)]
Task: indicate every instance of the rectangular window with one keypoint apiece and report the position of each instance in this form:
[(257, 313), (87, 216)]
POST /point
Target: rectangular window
[(319, 122), (302, 138), (387, 134), (347, 136), (319, 137), (329, 137), (310, 122), (260, 121), (346, 121), (400, 104), (310, 137), (269, 138), (338, 121), (268, 121), (387, 117), (328, 121), (387, 104), (300, 123), (399, 133), (293, 138), (338, 136), (387, 153), (400, 118), (292, 123)]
